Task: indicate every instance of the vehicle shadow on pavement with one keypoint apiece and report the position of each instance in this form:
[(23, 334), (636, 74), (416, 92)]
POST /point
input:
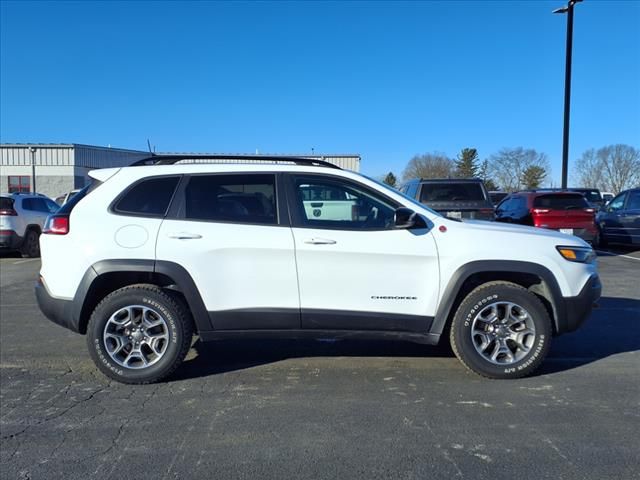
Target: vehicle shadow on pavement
[(613, 328), (230, 355)]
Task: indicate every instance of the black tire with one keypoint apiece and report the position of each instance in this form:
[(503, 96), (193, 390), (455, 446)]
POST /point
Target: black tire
[(178, 322), (31, 244), (477, 301)]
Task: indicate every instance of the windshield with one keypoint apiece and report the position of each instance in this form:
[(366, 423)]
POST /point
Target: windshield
[(398, 192)]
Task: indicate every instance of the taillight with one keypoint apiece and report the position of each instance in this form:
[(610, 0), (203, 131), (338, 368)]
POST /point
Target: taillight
[(486, 210), (540, 210), (56, 225), (590, 210), (8, 212)]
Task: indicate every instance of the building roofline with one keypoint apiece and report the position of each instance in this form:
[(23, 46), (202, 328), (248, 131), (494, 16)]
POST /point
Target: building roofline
[(69, 145), (257, 156)]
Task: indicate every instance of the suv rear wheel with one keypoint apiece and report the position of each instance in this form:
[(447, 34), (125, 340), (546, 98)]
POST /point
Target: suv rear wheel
[(139, 334), (501, 330), (31, 244)]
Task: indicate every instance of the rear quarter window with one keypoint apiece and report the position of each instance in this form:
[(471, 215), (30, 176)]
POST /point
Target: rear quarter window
[(148, 198), (6, 203)]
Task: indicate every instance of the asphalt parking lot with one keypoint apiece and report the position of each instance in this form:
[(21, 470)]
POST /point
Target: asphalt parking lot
[(322, 409)]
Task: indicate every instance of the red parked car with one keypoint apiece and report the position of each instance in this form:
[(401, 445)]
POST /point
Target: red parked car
[(568, 212)]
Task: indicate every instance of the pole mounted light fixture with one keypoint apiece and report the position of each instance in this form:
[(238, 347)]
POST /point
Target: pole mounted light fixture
[(567, 88), (32, 150)]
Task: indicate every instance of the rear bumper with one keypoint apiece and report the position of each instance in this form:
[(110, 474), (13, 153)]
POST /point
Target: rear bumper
[(10, 239), (577, 309), (588, 235), (57, 310), (468, 214)]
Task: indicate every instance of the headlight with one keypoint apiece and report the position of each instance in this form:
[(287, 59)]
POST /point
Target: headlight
[(577, 254)]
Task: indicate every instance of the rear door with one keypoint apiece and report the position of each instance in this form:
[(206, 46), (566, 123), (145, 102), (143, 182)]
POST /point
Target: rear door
[(38, 209), (229, 232), (357, 272)]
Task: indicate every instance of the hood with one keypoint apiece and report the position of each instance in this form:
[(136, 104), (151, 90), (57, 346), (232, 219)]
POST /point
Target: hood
[(523, 230)]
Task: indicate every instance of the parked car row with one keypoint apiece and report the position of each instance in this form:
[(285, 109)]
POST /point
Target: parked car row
[(598, 218), (22, 218)]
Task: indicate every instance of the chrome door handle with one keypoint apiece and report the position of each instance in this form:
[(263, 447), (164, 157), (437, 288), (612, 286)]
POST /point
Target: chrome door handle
[(185, 236), (319, 241)]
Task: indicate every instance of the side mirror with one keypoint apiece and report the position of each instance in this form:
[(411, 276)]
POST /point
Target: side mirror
[(405, 218)]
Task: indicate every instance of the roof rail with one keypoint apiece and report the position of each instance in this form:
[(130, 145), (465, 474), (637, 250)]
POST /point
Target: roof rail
[(173, 159)]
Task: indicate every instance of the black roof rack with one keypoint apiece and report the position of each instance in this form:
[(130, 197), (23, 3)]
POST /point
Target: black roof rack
[(173, 159)]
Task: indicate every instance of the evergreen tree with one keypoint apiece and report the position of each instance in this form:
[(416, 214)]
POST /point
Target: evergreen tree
[(467, 163), (533, 177), (391, 180)]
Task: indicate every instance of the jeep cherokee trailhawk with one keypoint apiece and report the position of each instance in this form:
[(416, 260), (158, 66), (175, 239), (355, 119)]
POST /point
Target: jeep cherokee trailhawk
[(149, 255)]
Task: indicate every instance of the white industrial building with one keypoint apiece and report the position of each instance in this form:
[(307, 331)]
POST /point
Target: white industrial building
[(60, 168)]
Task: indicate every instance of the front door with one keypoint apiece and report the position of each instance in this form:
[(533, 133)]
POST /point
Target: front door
[(355, 270)]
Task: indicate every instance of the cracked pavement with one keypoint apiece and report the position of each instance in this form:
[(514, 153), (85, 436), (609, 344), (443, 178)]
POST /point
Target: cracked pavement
[(321, 409)]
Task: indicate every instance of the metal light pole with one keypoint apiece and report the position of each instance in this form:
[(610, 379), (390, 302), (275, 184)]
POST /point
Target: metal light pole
[(567, 88), (33, 169)]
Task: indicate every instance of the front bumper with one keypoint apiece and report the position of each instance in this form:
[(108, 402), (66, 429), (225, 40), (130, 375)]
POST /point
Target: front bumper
[(57, 310), (577, 309)]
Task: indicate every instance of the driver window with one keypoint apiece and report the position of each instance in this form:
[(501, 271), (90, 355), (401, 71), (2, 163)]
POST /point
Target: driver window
[(617, 203), (334, 204)]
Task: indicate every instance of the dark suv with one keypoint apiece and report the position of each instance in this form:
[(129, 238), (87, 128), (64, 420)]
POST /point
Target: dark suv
[(453, 197), (566, 211)]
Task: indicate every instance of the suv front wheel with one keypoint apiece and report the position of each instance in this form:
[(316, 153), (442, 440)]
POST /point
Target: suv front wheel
[(501, 330), (139, 334)]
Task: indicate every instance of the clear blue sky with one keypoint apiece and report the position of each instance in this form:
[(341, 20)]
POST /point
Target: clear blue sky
[(386, 80)]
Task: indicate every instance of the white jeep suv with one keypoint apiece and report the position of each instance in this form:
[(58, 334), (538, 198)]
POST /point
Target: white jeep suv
[(151, 254)]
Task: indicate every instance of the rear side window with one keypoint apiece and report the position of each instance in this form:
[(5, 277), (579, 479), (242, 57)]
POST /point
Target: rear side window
[(149, 198), (231, 198), (39, 205), (560, 201), (452, 192), (412, 190)]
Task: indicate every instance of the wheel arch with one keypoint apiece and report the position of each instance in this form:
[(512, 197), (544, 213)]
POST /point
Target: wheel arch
[(32, 226), (107, 276), (532, 276)]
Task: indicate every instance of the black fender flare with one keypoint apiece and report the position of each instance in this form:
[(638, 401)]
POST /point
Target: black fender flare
[(463, 273), (181, 278)]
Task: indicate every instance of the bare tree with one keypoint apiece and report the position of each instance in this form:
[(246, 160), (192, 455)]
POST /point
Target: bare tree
[(509, 164), (429, 165), (588, 170), (612, 168)]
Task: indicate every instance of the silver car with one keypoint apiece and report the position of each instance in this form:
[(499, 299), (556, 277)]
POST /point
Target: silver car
[(22, 216)]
